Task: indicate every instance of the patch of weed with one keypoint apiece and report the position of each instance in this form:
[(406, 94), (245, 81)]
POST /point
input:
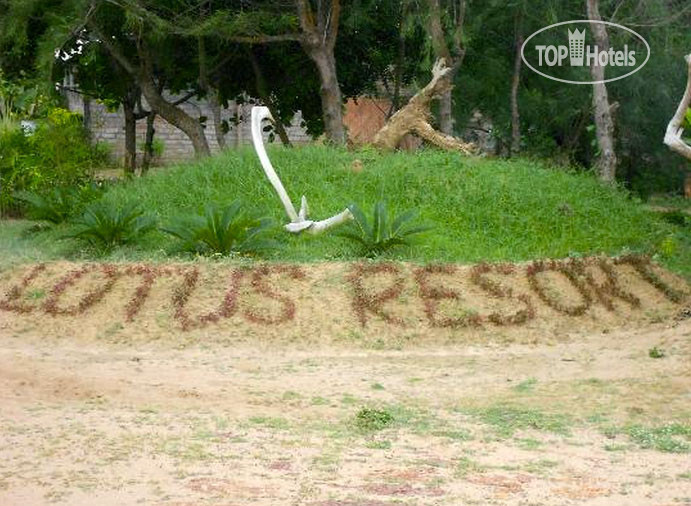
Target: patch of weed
[(670, 438), (656, 352), (525, 386), (456, 435), (373, 419), (384, 444), (540, 466), (528, 443), (466, 466), (507, 419)]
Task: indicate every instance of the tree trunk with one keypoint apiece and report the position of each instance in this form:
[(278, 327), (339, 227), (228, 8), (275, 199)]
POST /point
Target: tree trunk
[(266, 99), (446, 113), (441, 50), (515, 82), (176, 116), (128, 104), (318, 39), (215, 106), (149, 142), (453, 55), (211, 94), (604, 121), (87, 114), (414, 116), (143, 73), (330, 92), (398, 72)]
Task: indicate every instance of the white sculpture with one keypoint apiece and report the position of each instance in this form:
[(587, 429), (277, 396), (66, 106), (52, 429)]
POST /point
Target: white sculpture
[(298, 220)]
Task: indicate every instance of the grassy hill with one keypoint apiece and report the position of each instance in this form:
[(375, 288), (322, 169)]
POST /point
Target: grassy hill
[(481, 209)]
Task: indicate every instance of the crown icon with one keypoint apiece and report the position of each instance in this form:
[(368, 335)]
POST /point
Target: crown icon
[(576, 45)]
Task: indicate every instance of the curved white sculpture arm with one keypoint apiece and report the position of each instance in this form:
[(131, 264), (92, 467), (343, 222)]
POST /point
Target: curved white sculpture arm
[(298, 221)]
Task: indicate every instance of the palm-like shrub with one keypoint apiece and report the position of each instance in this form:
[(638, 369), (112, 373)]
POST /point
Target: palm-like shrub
[(382, 233), (57, 205), (53, 207), (104, 225), (222, 230)]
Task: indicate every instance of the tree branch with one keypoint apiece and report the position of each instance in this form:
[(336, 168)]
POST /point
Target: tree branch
[(334, 21)]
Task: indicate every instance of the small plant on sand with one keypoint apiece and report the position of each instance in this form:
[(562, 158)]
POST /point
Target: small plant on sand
[(656, 352), (222, 230), (104, 226), (382, 233), (373, 419)]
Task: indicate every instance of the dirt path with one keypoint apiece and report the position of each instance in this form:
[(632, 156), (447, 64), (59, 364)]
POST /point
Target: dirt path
[(592, 419)]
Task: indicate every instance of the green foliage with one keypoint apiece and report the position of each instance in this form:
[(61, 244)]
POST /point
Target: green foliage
[(656, 352), (677, 217), (222, 230), (508, 419), (482, 209), (373, 419), (57, 154), (670, 438), (383, 233), (57, 205), (104, 225), (18, 100), (158, 146)]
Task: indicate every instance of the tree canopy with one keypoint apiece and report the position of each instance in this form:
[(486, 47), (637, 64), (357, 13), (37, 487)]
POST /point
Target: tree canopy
[(312, 55)]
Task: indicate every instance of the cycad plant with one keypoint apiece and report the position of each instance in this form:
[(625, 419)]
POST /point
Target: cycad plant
[(53, 207), (105, 225), (382, 233), (57, 205), (222, 230)]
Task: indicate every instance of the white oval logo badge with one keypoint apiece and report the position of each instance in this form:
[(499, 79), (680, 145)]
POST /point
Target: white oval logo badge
[(567, 53)]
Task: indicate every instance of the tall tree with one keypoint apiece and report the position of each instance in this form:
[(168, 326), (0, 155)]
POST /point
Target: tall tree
[(449, 48), (319, 31), (515, 82), (603, 110), (135, 51)]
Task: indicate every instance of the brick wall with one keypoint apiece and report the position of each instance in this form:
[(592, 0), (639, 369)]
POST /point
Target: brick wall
[(109, 127)]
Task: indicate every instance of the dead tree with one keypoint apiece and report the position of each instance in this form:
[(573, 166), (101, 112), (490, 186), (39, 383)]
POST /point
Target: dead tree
[(415, 115)]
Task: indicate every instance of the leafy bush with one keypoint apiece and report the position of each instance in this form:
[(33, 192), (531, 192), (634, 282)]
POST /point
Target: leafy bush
[(57, 205), (57, 154), (222, 230), (384, 233), (105, 226)]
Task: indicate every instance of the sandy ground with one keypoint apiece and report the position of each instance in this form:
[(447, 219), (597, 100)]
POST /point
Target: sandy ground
[(320, 410), (85, 424)]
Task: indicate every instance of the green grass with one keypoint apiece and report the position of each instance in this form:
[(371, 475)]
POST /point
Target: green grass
[(671, 438), (481, 209), (526, 386), (506, 420)]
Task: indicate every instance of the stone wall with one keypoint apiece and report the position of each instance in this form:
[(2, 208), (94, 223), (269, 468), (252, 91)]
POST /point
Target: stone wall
[(109, 127)]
